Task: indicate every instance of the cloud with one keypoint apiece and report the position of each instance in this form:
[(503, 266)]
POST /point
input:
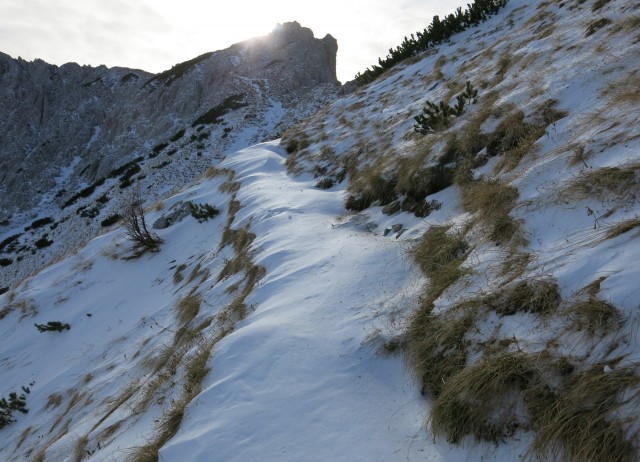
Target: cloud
[(154, 35), (94, 32)]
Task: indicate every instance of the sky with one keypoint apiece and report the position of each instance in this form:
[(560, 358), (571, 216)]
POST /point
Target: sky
[(155, 35)]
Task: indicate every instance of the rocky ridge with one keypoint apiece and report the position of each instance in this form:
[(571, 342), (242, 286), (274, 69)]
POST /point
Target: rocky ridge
[(74, 138)]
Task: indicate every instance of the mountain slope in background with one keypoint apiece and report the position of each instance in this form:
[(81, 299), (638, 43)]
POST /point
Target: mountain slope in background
[(496, 252), (74, 138)]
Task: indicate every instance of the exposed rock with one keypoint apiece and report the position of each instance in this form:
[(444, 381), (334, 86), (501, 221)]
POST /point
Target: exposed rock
[(101, 117), (395, 228), (176, 214), (74, 138)]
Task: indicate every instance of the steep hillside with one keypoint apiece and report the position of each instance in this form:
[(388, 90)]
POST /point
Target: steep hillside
[(374, 286), (75, 138)]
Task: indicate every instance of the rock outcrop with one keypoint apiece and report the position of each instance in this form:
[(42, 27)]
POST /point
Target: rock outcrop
[(65, 130), (51, 115)]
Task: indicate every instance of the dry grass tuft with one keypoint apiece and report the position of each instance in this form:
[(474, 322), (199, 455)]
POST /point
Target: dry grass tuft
[(624, 91), (515, 138), (482, 400), (213, 172), (115, 403), (108, 432), (436, 347), (79, 450), (629, 24), (599, 4), (187, 309), (515, 265), (489, 198), (23, 436), (596, 25), (196, 370), (239, 239), (595, 316), (53, 401), (230, 187), (371, 185), (531, 296), (492, 200), (167, 428), (439, 254), (177, 275), (198, 272), (623, 228), (606, 183), (583, 421), (76, 399), (435, 344)]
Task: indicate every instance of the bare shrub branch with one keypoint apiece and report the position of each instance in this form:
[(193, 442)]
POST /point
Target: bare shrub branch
[(136, 225)]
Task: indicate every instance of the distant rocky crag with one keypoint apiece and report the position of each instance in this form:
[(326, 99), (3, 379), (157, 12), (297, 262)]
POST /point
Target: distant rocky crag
[(74, 138)]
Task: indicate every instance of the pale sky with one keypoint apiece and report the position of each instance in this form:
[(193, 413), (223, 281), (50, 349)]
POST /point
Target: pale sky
[(154, 35)]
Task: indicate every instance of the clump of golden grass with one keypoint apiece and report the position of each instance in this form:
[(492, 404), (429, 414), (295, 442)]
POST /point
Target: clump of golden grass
[(595, 316), (435, 344), (598, 4), (605, 183), (230, 187), (23, 436), (515, 138), (491, 201), (481, 399), (177, 275), (115, 403), (79, 450), (196, 370), (436, 347), (439, 254), (595, 25), (196, 272), (625, 90), (516, 264), (371, 185), (166, 429), (628, 24), (240, 239), (585, 419), (76, 399), (53, 401), (530, 296), (108, 432), (623, 227), (187, 309)]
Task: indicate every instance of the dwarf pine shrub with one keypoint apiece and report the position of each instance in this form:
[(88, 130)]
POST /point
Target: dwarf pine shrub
[(437, 116), (15, 403), (202, 212), (52, 326)]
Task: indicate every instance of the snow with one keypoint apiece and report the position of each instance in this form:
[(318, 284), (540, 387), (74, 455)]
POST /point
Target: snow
[(307, 337), (305, 376), (65, 172), (96, 133)]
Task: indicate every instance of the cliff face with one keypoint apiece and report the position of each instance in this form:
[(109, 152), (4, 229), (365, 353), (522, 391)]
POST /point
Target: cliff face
[(53, 117), (74, 138)]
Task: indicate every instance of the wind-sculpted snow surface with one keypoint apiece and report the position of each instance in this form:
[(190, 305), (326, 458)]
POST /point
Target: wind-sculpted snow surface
[(477, 302), (306, 377)]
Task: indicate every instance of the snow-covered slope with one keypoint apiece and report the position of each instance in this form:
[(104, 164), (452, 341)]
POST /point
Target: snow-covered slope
[(275, 330)]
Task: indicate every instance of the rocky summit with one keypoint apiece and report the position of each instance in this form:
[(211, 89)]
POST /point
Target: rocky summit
[(74, 138)]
